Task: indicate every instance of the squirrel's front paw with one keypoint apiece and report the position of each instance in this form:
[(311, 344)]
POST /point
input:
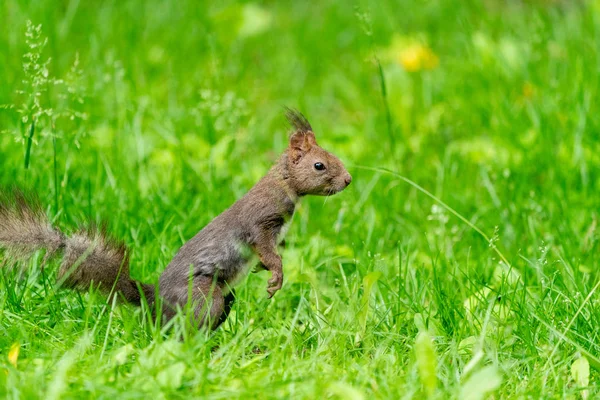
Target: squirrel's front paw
[(275, 283)]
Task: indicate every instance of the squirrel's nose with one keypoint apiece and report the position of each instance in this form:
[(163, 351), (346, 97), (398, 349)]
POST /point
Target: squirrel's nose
[(348, 179)]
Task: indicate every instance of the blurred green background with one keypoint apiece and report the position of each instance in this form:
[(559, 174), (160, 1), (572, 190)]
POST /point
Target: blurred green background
[(155, 116)]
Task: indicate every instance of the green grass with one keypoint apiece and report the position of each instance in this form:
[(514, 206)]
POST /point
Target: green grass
[(462, 259)]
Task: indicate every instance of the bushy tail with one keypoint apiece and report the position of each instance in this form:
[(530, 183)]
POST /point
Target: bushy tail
[(89, 257)]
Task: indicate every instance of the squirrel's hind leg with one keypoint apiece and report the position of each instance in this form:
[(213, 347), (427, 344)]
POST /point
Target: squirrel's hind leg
[(205, 308), (228, 305), (208, 302)]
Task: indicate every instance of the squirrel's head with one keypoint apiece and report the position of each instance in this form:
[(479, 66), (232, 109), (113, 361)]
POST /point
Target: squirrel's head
[(311, 169)]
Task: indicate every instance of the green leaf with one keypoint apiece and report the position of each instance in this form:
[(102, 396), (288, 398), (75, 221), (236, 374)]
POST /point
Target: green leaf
[(122, 354), (255, 20), (172, 376), (465, 347), (344, 390), (480, 383), (368, 282), (420, 322), (580, 372), (426, 362), (220, 151)]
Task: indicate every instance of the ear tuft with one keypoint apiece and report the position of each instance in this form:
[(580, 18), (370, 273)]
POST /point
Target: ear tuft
[(297, 120), (303, 138)]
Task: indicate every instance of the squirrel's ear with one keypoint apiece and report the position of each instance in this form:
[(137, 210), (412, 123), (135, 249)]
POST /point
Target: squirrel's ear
[(310, 136), (300, 144)]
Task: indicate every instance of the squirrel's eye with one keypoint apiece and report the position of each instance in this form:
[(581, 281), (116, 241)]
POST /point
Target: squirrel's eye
[(319, 166)]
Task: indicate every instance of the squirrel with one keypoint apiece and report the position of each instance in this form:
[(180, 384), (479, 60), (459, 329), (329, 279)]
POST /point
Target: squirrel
[(206, 268)]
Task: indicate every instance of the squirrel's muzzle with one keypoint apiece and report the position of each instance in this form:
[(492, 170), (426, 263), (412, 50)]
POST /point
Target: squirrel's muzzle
[(347, 179)]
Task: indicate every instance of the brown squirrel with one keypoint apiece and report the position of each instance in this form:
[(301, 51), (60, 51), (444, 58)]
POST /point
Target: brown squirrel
[(205, 269)]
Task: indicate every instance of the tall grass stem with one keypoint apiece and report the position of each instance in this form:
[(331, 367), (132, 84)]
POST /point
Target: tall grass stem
[(29, 142)]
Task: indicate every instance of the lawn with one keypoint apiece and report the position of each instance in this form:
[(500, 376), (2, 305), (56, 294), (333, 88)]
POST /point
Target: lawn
[(460, 262)]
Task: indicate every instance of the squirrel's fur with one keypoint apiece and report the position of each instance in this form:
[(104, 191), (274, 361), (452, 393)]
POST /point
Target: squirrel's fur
[(205, 269), (87, 255)]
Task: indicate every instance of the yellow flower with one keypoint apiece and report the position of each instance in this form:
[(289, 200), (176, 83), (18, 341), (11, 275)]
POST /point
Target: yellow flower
[(417, 57), (411, 53), (13, 354), (528, 90)]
